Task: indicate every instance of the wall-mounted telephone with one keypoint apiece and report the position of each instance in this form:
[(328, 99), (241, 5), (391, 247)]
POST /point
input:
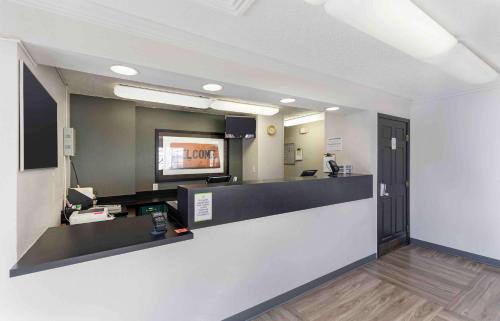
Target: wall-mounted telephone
[(159, 223), (334, 167)]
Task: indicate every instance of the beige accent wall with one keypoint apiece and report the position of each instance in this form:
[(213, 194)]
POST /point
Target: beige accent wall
[(312, 144), (263, 156)]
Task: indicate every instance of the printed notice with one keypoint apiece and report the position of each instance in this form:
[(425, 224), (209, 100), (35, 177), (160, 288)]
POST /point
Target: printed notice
[(334, 144), (202, 207)]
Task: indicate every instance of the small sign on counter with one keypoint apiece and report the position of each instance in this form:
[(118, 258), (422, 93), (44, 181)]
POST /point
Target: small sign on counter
[(202, 207)]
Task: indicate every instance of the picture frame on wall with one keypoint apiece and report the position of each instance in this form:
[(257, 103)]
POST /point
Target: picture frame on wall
[(189, 155), (38, 141)]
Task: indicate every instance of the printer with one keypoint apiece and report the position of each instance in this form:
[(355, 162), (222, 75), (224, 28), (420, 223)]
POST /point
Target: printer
[(96, 214), (83, 196)]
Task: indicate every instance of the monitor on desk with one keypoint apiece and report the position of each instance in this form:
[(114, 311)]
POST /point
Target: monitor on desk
[(218, 179), (309, 172)]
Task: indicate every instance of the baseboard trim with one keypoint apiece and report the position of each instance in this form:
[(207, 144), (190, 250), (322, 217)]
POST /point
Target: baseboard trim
[(452, 251), (255, 311)]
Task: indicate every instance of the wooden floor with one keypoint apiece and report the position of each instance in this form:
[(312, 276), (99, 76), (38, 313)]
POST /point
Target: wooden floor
[(409, 284)]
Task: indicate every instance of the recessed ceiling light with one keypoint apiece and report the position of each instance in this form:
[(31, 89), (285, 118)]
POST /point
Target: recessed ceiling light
[(124, 70), (333, 108), (287, 100), (212, 87)]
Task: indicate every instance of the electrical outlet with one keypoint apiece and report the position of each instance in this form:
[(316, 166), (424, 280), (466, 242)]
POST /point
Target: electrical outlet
[(155, 186)]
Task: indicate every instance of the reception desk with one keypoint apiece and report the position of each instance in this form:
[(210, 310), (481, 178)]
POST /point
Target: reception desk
[(233, 202), (225, 202)]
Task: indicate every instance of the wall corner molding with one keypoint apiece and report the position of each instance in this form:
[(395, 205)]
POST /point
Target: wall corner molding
[(451, 251)]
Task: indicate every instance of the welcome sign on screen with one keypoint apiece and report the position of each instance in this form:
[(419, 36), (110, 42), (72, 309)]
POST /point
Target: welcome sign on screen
[(193, 155)]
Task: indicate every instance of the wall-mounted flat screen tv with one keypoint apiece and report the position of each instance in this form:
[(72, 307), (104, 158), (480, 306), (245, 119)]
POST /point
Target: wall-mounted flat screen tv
[(240, 127), (38, 123), (187, 155)]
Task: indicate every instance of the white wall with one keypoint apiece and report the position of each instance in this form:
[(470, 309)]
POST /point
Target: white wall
[(41, 192), (250, 159), (9, 162), (359, 135), (455, 189), (222, 271)]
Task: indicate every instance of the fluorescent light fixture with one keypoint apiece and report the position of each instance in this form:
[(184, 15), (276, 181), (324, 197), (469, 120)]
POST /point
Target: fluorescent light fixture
[(162, 97), (212, 87), (398, 23), (287, 100), (404, 26), (315, 2), (304, 119), (332, 108), (231, 106), (465, 65), (124, 70)]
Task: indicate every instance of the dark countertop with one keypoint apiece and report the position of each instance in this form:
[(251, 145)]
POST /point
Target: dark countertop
[(66, 245), (233, 202), (319, 176)]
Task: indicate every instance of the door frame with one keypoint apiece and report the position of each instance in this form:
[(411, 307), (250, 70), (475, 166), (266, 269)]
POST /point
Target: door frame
[(408, 141)]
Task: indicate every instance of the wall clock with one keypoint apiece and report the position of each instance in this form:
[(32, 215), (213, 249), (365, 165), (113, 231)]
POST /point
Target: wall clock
[(271, 130)]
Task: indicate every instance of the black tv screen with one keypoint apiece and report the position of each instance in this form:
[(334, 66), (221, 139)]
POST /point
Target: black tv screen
[(240, 127), (38, 124)]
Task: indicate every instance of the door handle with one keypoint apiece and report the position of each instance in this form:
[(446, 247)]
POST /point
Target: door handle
[(383, 190)]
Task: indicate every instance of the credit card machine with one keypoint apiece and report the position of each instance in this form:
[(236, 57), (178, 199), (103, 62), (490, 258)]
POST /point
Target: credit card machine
[(159, 223), (334, 167)]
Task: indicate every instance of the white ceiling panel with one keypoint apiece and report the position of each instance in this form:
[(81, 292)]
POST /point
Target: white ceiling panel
[(302, 36)]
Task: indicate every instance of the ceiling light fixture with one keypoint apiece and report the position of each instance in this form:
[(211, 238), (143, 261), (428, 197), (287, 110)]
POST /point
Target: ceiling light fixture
[(404, 26), (304, 119), (224, 105), (124, 70), (162, 97), (316, 2), (212, 87), (287, 100), (399, 23), (463, 64), (332, 108)]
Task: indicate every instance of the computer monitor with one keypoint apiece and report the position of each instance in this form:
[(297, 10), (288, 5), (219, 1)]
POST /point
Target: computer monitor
[(309, 172), (218, 179)]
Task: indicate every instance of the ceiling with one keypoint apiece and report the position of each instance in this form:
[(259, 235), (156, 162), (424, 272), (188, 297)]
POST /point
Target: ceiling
[(102, 86), (294, 35)]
